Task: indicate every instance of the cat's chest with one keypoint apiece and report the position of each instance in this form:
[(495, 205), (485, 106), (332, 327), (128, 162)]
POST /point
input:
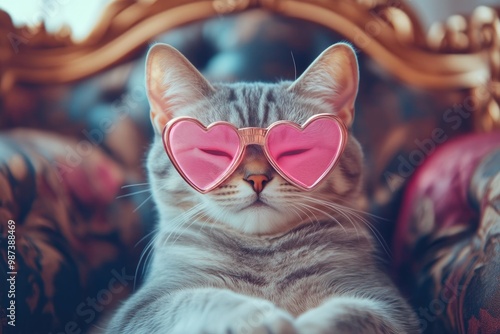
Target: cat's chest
[(301, 266)]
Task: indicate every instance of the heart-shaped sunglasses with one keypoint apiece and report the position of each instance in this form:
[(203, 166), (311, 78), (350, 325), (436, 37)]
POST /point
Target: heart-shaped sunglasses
[(303, 155)]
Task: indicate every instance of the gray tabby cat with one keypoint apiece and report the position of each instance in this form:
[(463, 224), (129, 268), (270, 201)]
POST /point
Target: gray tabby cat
[(258, 255)]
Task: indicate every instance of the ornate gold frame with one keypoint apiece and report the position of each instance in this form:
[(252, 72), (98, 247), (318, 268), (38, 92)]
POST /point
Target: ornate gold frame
[(463, 53)]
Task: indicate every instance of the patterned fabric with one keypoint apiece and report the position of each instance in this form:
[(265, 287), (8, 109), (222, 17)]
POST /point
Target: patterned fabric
[(448, 238), (74, 249), (77, 243)]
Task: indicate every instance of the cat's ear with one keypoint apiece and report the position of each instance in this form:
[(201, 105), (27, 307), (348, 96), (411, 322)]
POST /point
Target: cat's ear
[(172, 83), (333, 78)]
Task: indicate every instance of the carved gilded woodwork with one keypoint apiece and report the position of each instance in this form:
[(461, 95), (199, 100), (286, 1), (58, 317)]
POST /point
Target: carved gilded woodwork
[(462, 53)]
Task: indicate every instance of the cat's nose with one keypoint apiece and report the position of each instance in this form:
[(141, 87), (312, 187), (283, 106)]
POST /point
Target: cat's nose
[(258, 181)]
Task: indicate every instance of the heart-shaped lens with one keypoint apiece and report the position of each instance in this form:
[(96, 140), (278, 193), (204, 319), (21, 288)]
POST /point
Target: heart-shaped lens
[(203, 156), (305, 155)]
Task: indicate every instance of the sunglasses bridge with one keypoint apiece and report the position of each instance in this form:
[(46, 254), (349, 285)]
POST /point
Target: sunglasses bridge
[(252, 136)]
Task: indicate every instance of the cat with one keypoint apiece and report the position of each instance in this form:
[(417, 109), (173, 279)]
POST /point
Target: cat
[(260, 255)]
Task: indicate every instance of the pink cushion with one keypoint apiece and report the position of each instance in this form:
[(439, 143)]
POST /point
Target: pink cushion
[(445, 179), (447, 237)]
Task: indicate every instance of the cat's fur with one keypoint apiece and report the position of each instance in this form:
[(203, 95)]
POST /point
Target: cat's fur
[(223, 263)]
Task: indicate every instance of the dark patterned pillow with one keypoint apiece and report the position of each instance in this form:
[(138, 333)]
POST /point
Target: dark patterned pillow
[(75, 251)]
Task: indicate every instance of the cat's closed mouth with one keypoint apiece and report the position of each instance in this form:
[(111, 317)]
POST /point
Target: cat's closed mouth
[(258, 203)]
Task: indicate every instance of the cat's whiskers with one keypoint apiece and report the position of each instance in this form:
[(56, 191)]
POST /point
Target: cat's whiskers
[(336, 209), (372, 228), (358, 215), (296, 211), (182, 218), (145, 252), (294, 66), (143, 202), (300, 199), (326, 214), (202, 226), (315, 221), (307, 215), (319, 201), (148, 248), (219, 218), (337, 198), (135, 185), (149, 197), (146, 236), (195, 220), (347, 212), (133, 193)]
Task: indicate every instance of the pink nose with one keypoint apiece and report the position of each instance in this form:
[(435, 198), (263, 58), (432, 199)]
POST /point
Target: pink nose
[(258, 181)]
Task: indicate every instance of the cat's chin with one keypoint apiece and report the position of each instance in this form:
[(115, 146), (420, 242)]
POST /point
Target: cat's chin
[(260, 218)]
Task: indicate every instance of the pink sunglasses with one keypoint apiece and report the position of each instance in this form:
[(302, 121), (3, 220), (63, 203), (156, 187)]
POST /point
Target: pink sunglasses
[(303, 155)]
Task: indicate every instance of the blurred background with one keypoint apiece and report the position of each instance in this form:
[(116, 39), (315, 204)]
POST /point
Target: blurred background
[(81, 16)]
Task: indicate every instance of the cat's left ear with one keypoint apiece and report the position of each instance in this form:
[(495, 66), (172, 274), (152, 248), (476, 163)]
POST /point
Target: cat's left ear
[(172, 83), (333, 78)]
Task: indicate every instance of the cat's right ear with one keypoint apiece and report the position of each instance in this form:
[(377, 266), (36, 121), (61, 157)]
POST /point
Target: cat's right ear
[(172, 83), (333, 79)]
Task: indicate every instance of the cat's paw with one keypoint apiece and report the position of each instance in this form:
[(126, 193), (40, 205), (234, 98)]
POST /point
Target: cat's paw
[(262, 318), (278, 322), (315, 321)]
